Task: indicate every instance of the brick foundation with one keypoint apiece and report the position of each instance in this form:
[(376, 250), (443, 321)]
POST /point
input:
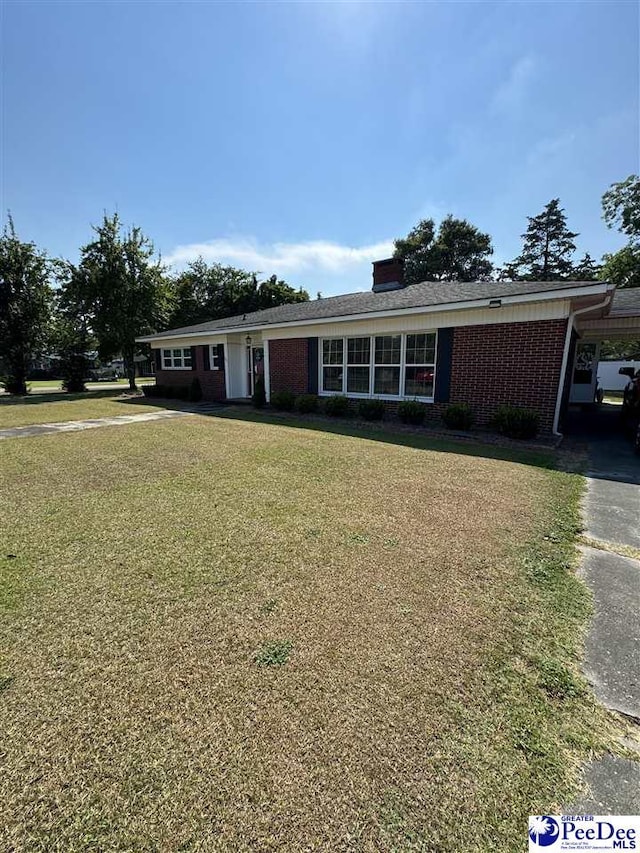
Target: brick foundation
[(288, 365), (211, 381)]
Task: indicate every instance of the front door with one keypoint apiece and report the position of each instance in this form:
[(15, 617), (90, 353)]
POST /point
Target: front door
[(255, 367), (585, 373)]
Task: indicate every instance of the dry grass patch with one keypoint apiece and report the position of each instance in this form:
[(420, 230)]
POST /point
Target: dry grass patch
[(47, 409), (237, 636)]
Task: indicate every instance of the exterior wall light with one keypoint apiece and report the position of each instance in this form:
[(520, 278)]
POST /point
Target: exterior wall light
[(248, 339)]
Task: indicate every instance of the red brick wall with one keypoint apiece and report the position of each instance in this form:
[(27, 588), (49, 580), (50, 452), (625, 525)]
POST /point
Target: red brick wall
[(508, 363), (211, 381), (288, 365)]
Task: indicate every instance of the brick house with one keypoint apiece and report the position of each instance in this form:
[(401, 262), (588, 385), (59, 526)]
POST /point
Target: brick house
[(484, 343)]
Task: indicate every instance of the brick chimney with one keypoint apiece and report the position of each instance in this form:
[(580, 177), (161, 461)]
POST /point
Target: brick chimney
[(388, 275)]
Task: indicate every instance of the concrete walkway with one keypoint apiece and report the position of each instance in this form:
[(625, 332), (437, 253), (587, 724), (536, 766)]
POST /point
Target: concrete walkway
[(612, 648), (93, 423)]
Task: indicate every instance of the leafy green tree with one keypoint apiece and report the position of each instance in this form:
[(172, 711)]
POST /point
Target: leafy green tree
[(587, 269), (72, 337), (209, 291), (124, 288), (25, 307), (621, 206), (458, 251), (622, 268), (547, 249)]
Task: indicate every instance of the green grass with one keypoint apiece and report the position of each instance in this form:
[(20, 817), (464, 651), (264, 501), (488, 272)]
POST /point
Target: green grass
[(52, 384), (236, 635), (44, 408)]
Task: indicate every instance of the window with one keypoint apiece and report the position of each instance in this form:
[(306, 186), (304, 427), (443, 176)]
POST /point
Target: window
[(358, 365), (379, 365), (176, 359), (420, 360), (214, 357), (387, 370), (332, 364)]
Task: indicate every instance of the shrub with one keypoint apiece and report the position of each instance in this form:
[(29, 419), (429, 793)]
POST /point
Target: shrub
[(307, 403), (170, 392), (195, 390), (284, 401), (371, 410), (458, 416), (153, 390), (412, 412), (515, 422), (259, 398), (337, 406)]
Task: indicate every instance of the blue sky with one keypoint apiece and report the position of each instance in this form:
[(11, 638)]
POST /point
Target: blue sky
[(301, 138)]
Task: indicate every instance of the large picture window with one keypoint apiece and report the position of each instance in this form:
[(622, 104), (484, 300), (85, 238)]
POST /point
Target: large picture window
[(380, 365), (176, 359)]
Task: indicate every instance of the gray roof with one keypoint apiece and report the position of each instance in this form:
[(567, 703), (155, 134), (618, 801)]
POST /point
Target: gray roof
[(426, 294), (626, 301)]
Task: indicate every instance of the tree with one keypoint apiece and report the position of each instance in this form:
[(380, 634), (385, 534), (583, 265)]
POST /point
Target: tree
[(124, 289), (72, 337), (622, 268), (25, 307), (458, 251), (587, 269), (211, 291), (547, 248), (621, 206)]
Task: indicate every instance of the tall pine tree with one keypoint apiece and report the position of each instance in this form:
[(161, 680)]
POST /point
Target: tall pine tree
[(547, 249), (587, 269)]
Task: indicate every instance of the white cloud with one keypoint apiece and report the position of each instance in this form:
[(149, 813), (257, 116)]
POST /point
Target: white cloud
[(511, 92), (281, 258)]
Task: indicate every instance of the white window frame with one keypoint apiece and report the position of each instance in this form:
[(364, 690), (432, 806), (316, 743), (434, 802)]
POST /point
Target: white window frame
[(405, 365), (168, 363), (372, 365), (213, 357)]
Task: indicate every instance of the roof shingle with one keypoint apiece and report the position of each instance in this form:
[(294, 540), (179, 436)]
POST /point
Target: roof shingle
[(426, 294)]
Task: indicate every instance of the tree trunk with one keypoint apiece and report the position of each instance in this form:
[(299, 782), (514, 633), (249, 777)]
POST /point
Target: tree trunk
[(130, 366)]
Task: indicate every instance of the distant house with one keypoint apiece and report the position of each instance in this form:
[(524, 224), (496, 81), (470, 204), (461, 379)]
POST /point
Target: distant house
[(484, 343)]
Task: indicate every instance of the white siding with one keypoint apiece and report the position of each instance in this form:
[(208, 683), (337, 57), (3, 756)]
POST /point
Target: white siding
[(427, 321)]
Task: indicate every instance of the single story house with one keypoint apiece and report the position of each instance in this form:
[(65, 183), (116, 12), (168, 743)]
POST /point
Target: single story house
[(483, 343)]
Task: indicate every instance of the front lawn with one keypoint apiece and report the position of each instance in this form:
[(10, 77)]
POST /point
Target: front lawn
[(46, 409), (225, 635)]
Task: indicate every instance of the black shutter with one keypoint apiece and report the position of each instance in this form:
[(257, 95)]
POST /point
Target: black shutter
[(444, 358), (312, 365), (206, 364), (221, 356), (157, 353), (193, 358)]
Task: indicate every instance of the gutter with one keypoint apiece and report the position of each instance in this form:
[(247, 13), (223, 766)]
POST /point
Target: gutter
[(565, 354)]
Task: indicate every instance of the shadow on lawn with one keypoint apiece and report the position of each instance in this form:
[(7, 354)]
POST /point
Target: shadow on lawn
[(389, 432), (61, 397)]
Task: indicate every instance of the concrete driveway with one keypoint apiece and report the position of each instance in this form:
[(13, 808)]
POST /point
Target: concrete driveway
[(612, 648)]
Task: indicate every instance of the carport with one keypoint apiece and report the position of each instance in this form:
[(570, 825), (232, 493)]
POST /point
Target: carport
[(617, 321)]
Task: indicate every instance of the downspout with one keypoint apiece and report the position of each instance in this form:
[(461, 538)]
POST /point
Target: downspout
[(565, 355)]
